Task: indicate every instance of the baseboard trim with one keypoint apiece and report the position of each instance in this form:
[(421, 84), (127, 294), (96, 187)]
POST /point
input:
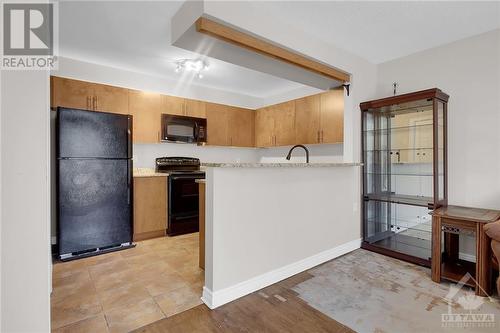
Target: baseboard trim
[(215, 299)]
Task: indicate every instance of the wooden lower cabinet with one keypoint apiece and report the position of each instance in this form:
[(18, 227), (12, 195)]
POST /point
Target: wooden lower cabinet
[(150, 207), (146, 110)]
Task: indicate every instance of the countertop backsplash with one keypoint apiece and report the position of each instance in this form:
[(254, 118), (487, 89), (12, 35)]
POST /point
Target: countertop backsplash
[(145, 154)]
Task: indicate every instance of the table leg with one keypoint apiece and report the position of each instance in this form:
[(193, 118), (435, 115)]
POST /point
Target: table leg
[(483, 269), (436, 249)]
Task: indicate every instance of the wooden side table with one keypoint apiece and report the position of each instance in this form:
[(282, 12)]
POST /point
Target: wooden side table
[(448, 223)]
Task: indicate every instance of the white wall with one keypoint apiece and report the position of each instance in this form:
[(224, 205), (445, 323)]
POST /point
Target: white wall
[(145, 154), (317, 153), (363, 73), (86, 71), (266, 224), (24, 245), (469, 71)]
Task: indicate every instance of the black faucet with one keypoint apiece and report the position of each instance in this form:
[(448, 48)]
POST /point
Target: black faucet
[(301, 146)]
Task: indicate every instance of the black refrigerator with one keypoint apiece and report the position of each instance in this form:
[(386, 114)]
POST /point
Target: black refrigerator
[(94, 182)]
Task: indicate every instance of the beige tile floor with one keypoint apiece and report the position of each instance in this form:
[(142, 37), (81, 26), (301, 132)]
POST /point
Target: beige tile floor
[(125, 290)]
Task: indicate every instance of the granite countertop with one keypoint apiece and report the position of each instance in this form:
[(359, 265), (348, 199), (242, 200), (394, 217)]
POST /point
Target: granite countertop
[(200, 181), (278, 165), (147, 172)]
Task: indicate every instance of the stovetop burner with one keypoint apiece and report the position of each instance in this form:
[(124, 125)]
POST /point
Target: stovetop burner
[(177, 164)]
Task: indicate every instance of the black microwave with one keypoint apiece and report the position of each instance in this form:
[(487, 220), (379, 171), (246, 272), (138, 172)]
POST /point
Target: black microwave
[(183, 129)]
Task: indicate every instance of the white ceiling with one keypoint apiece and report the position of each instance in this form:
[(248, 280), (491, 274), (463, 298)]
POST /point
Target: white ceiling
[(136, 35), (382, 31)]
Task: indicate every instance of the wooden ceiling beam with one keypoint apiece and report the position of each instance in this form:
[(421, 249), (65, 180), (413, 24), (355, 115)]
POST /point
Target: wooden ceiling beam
[(247, 41)]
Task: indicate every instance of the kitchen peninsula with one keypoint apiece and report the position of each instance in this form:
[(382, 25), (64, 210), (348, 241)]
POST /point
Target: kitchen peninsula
[(304, 212)]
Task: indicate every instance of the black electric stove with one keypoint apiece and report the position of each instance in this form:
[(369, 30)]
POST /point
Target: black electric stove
[(183, 195)]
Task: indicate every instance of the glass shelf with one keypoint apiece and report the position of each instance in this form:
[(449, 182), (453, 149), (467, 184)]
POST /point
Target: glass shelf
[(404, 172), (422, 230), (396, 149), (401, 199), (399, 128)]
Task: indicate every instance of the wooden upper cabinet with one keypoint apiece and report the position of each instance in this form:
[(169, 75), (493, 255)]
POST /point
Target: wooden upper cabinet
[(284, 123), (146, 110), (264, 127), (110, 99), (217, 124), (194, 108), (230, 126), (71, 93), (332, 116), (88, 96), (307, 120), (172, 105), (241, 127), (313, 119)]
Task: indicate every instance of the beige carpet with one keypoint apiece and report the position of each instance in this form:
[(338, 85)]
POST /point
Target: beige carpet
[(369, 292)]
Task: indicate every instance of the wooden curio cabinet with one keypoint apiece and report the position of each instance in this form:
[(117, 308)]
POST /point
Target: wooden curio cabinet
[(404, 172)]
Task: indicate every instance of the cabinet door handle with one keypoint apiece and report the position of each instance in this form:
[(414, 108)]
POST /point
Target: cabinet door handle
[(96, 101), (317, 136), (321, 136), (89, 103)]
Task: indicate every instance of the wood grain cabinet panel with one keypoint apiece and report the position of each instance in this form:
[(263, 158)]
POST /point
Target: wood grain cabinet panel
[(264, 127), (71, 93), (150, 207), (230, 126), (241, 128), (172, 105), (284, 124), (217, 124), (146, 110), (307, 120), (332, 116), (110, 99), (194, 108)]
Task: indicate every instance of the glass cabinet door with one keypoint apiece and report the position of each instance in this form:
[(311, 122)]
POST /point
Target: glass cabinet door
[(404, 171), (398, 152)]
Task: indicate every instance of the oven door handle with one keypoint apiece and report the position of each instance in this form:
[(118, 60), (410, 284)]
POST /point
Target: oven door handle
[(174, 177), (186, 217)]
